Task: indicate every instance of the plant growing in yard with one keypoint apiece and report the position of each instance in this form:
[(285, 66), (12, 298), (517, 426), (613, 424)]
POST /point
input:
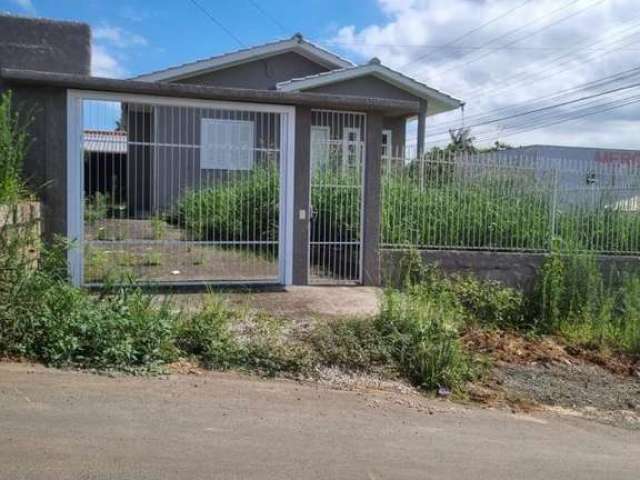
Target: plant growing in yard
[(351, 344), (422, 330), (14, 144), (574, 299), (207, 335), (96, 208), (159, 227)]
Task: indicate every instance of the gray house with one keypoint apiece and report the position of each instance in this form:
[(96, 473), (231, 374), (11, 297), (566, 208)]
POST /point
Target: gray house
[(237, 140), (262, 165)]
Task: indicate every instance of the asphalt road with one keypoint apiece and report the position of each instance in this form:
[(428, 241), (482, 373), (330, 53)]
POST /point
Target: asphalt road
[(67, 425)]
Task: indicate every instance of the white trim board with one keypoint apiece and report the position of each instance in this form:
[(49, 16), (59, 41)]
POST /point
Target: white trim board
[(294, 44)]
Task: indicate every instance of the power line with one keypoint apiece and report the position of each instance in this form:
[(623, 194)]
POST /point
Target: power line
[(549, 119), (524, 37), (524, 73), (470, 32), (615, 106), (623, 75), (550, 107), (471, 47), (268, 16), (218, 23)]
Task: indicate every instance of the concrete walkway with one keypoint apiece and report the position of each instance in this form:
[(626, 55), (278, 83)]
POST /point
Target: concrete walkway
[(59, 424)]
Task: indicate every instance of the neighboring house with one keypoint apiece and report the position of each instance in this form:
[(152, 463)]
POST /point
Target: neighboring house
[(234, 142), (105, 172)]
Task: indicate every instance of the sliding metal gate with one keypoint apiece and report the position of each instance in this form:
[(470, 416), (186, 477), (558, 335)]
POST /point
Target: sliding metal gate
[(337, 169), (176, 191)]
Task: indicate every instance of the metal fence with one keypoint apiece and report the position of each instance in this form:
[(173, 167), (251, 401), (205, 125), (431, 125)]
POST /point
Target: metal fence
[(498, 201), (337, 167), (181, 192)]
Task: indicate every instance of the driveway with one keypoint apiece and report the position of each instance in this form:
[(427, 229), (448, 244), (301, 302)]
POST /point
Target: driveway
[(61, 424)]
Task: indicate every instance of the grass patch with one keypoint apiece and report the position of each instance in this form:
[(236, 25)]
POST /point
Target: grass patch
[(577, 301)]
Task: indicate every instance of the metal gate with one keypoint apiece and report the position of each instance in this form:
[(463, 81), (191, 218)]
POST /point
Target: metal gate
[(166, 190), (337, 169)]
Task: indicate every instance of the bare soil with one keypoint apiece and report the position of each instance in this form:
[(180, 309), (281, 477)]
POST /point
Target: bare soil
[(534, 373), (153, 250)]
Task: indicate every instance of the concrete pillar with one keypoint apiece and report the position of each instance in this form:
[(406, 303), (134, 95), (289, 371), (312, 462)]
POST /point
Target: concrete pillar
[(45, 166), (302, 183), (422, 126), (372, 201)]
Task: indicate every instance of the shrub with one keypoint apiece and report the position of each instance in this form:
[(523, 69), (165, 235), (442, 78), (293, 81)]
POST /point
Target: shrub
[(423, 333), (14, 143), (207, 335), (575, 300), (242, 208), (485, 302), (45, 318)]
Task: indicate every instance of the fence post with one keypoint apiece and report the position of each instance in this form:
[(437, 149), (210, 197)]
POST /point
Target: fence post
[(554, 207)]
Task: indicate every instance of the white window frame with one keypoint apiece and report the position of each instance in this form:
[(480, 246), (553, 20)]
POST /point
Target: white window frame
[(237, 163), (387, 150)]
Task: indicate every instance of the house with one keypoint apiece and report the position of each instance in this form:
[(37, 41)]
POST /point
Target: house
[(239, 141), (149, 142)]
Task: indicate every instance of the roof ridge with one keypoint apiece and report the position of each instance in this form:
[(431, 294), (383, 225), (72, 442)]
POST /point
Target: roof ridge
[(297, 38)]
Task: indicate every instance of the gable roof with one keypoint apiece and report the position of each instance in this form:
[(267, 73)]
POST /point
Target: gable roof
[(437, 101), (295, 44)]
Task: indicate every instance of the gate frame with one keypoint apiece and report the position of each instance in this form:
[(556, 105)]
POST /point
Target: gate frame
[(75, 172), (363, 176)]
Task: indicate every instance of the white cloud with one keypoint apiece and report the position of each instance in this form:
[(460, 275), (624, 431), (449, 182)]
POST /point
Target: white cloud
[(110, 47), (105, 64), (599, 39), (119, 37), (25, 5)]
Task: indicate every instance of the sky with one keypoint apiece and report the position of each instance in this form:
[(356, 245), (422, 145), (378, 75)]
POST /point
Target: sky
[(523, 68)]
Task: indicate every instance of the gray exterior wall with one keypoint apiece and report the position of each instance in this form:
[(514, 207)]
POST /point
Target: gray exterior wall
[(45, 167), (37, 44), (517, 270), (159, 174), (63, 47), (367, 86), (261, 74)]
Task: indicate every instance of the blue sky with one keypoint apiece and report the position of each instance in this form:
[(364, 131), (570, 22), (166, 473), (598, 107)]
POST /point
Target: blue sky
[(147, 35), (502, 57)]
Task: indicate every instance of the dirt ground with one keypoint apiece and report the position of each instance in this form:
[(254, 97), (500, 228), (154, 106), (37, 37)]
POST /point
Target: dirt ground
[(153, 250), (300, 304), (65, 424)]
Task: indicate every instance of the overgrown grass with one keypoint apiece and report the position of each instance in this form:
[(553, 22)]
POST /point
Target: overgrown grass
[(508, 212), (505, 213), (14, 143), (578, 301), (242, 208)]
